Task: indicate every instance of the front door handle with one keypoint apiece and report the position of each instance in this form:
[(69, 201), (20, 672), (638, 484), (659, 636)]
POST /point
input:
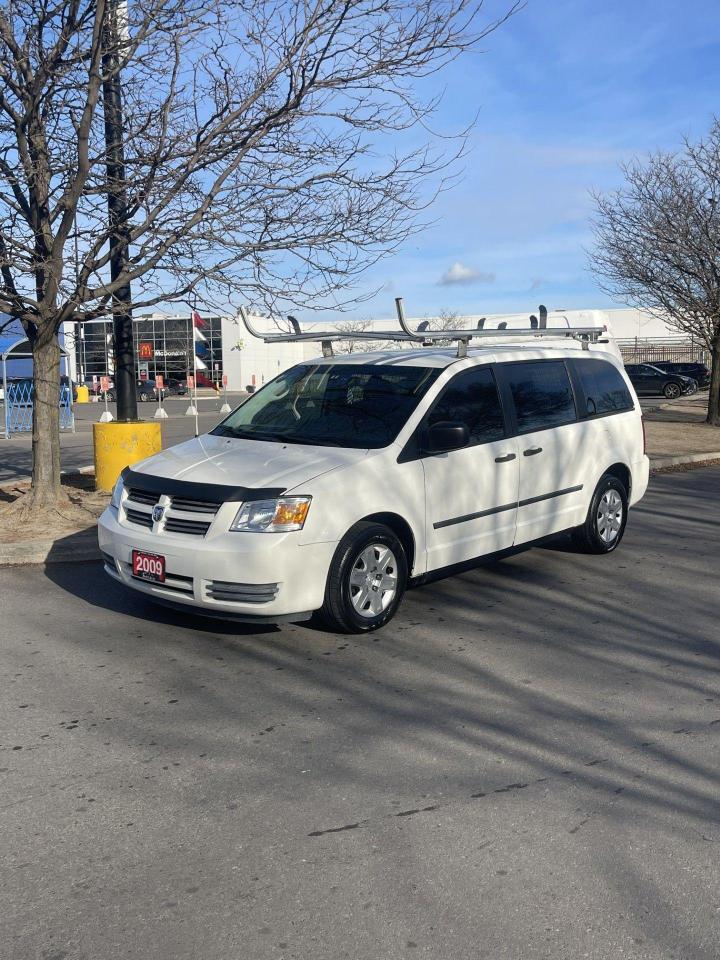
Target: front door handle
[(531, 451), (508, 456)]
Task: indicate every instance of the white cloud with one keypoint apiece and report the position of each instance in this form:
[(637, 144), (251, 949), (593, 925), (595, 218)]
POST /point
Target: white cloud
[(460, 274)]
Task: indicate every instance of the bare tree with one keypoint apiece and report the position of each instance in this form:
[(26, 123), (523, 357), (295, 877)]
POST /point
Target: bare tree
[(351, 327), (257, 156), (446, 320), (658, 243)]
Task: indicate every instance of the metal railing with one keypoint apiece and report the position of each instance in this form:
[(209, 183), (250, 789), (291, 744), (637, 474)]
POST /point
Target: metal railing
[(651, 350)]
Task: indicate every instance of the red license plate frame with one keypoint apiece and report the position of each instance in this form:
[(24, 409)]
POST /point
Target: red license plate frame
[(148, 566)]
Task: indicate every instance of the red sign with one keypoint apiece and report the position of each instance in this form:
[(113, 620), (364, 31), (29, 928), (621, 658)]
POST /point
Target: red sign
[(148, 566), (143, 373), (159, 382), (224, 379), (104, 384), (145, 351), (191, 383)]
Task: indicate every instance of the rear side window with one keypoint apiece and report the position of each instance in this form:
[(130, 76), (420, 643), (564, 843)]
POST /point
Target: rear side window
[(472, 398), (603, 388), (542, 394)]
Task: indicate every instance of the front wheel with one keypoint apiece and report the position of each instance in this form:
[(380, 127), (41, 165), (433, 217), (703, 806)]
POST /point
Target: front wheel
[(671, 391), (367, 579), (606, 518)]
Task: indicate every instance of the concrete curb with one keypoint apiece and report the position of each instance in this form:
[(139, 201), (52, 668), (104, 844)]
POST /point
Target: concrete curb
[(72, 547), (660, 463), (86, 471)]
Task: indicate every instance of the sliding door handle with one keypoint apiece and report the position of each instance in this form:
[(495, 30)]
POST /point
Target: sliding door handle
[(508, 456), (531, 451)]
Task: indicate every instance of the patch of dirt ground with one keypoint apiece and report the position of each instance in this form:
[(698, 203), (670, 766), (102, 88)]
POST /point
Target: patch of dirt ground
[(78, 509)]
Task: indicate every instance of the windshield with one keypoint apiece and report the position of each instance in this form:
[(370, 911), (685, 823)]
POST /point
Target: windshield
[(343, 405)]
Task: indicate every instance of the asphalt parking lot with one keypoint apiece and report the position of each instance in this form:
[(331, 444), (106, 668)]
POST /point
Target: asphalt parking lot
[(524, 764)]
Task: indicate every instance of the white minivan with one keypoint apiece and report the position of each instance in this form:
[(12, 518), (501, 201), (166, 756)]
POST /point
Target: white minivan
[(349, 478)]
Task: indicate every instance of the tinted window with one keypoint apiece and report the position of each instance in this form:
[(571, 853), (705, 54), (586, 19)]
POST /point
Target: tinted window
[(542, 394), (340, 404), (472, 398), (602, 386)]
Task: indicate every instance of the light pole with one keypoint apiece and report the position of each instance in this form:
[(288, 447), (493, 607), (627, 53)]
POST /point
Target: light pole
[(117, 207)]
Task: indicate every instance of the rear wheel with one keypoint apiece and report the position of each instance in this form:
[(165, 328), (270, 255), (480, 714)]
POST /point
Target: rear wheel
[(606, 518), (671, 391), (367, 579), (144, 397)]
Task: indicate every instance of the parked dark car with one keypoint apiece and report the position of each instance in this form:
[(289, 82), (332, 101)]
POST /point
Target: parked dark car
[(650, 381), (698, 371), (174, 387), (145, 392)]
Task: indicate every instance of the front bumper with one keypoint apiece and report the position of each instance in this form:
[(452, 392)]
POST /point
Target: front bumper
[(250, 576)]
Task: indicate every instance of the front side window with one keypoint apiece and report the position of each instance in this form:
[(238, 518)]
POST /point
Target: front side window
[(542, 394), (472, 398), (342, 405), (603, 388)]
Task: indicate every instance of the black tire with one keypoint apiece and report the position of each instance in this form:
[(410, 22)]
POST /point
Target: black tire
[(588, 536), (143, 398), (338, 611), (672, 390)]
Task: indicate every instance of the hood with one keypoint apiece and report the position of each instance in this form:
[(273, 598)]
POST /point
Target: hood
[(247, 463)]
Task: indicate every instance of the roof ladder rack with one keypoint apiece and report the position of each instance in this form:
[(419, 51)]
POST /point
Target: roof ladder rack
[(536, 330)]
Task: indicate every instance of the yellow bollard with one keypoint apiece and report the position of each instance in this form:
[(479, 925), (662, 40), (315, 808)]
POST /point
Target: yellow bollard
[(83, 394), (119, 445)]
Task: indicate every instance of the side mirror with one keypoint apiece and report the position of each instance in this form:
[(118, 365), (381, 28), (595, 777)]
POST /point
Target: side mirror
[(445, 436)]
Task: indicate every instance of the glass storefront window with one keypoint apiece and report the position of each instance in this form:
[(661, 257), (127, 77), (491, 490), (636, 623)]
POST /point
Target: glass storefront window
[(168, 342)]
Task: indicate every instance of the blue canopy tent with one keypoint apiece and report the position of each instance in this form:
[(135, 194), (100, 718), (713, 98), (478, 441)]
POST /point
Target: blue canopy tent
[(18, 397)]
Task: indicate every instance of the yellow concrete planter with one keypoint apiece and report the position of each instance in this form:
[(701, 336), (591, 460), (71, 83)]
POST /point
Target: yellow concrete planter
[(119, 445), (83, 394)]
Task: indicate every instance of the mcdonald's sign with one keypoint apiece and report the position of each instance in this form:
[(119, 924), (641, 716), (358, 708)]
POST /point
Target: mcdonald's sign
[(145, 351)]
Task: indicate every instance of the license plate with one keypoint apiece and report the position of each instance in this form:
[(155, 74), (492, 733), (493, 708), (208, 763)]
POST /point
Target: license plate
[(148, 566)]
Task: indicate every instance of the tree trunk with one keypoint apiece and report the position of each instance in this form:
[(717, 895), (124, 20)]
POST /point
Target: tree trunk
[(46, 421), (713, 414)]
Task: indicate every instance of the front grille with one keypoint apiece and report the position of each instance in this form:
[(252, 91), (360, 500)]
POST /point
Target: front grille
[(142, 496), (241, 592), (139, 517), (193, 528), (183, 515), (186, 505)]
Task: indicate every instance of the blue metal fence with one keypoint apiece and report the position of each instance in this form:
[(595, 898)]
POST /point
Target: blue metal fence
[(19, 400)]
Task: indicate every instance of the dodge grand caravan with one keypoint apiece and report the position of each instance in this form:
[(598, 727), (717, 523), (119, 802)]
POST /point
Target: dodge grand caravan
[(348, 478)]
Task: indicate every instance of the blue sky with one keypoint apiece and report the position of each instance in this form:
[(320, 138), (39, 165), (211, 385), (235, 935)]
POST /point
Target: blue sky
[(565, 91)]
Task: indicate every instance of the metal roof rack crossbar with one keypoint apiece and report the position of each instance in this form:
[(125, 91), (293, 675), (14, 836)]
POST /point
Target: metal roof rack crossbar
[(585, 335)]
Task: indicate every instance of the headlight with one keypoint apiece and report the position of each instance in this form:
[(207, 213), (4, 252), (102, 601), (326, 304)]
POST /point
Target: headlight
[(272, 516), (117, 494)]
